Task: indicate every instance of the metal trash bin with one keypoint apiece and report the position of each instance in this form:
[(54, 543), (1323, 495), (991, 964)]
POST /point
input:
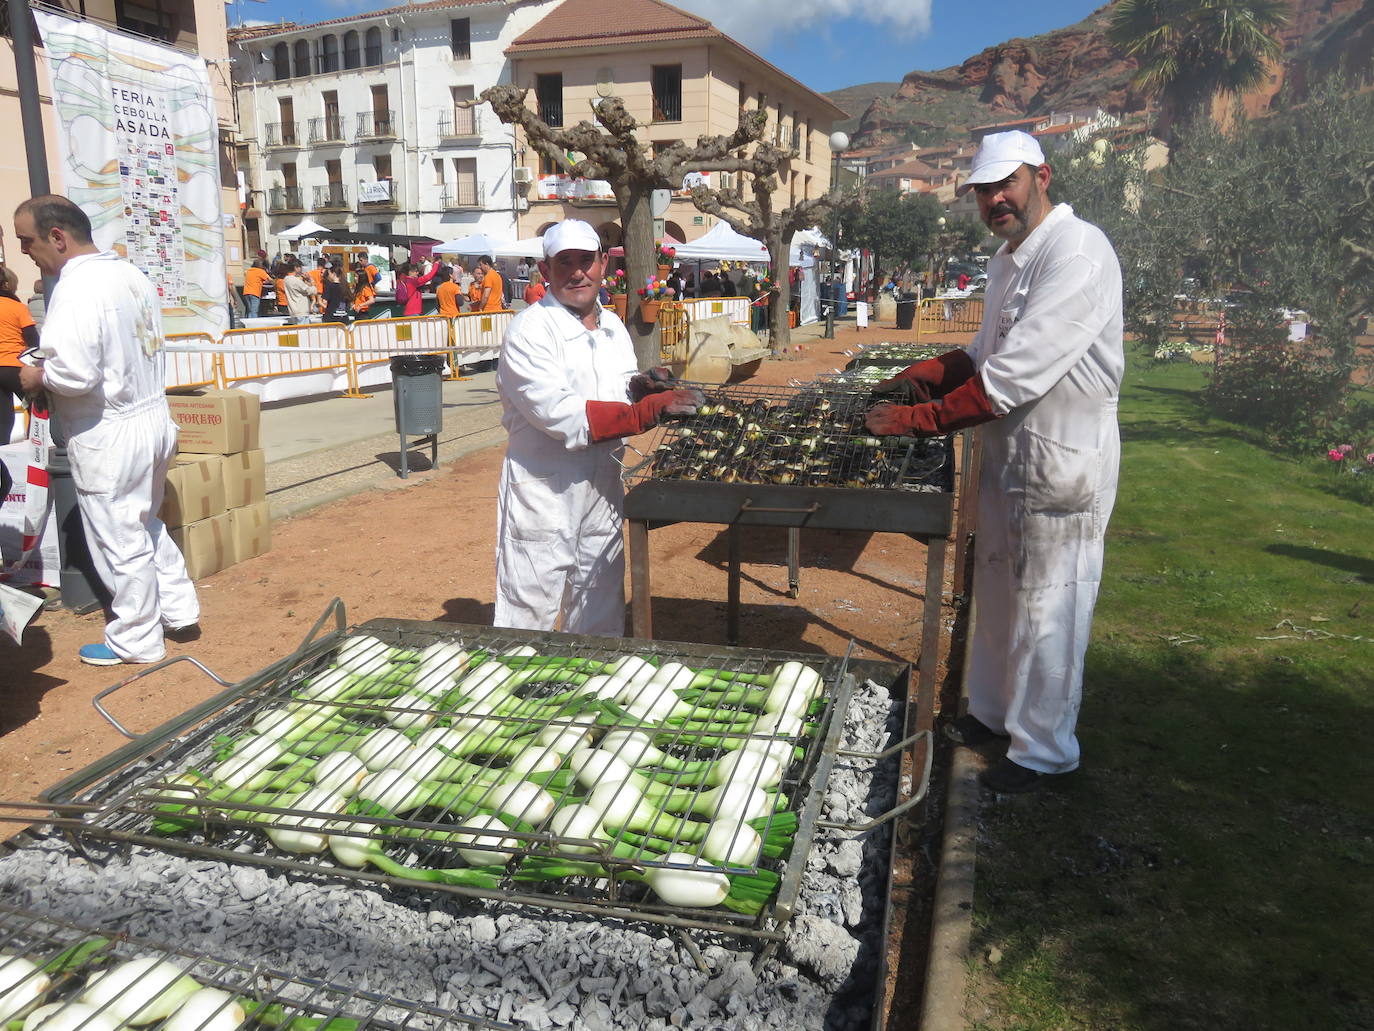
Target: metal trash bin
[(906, 314), (418, 399)]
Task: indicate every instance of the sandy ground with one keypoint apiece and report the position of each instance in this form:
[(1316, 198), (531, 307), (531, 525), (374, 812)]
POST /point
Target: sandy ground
[(424, 551)]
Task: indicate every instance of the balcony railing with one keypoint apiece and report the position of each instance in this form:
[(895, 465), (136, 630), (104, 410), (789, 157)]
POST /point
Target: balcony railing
[(283, 134), (328, 129), (468, 194), (376, 125), (285, 198), (331, 197), (462, 123)]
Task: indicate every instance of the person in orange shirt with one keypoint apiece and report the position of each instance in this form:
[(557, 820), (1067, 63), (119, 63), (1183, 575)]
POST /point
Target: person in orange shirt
[(448, 294), (317, 277), (363, 294), (255, 277), (491, 298), (17, 334)]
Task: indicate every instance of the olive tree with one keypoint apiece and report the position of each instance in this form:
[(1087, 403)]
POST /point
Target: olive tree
[(610, 150)]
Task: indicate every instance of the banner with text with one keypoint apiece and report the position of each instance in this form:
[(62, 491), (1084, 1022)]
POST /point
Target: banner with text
[(139, 144)]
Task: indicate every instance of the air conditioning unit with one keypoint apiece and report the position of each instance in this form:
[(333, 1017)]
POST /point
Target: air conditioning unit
[(524, 174)]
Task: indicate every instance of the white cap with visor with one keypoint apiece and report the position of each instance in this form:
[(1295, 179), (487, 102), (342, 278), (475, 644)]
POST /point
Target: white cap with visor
[(999, 155)]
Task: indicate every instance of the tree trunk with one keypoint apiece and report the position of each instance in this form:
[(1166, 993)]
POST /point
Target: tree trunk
[(779, 331), (636, 214)]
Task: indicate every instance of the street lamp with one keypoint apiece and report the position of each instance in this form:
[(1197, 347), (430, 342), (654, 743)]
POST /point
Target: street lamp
[(839, 142)]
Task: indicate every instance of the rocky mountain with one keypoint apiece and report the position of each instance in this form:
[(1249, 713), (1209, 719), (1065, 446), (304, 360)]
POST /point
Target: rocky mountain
[(1076, 69)]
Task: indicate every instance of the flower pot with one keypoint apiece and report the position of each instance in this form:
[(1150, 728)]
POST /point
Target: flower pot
[(648, 310), (664, 271), (621, 304)]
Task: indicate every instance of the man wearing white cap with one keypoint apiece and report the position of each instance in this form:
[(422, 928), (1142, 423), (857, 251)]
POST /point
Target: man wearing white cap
[(1044, 373), (570, 393)]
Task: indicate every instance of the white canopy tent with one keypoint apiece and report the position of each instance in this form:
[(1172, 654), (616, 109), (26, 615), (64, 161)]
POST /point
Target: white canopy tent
[(531, 247), (304, 229), (722, 243), (475, 243)]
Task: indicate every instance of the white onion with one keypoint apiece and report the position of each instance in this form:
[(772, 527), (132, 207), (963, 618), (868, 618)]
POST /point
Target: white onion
[(139, 991), (394, 790), (209, 1009), (577, 821), (69, 1016), (491, 855), (520, 799), (752, 769), (301, 833), (382, 748), (341, 771), (687, 887), (410, 712), (732, 842), (22, 983)]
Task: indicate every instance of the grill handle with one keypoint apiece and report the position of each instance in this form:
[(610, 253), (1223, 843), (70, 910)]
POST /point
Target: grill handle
[(109, 717), (748, 506), (878, 821), (336, 609)]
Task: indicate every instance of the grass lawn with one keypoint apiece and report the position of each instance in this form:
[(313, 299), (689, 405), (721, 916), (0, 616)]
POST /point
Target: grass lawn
[(1212, 863)]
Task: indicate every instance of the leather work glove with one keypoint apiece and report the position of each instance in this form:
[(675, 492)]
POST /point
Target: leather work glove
[(650, 381), (967, 405), (607, 420), (929, 380)]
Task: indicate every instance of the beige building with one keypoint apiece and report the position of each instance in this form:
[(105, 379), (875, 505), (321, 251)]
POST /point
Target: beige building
[(195, 26), (681, 78)]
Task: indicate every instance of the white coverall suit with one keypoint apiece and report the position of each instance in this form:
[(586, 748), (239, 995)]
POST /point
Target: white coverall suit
[(1050, 355), (560, 551), (104, 377)]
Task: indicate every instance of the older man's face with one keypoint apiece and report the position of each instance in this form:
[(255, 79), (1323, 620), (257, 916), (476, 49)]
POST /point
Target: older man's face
[(574, 277), (1016, 205), (43, 250)]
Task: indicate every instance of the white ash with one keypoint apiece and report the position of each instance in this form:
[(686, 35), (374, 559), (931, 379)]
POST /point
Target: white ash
[(536, 969)]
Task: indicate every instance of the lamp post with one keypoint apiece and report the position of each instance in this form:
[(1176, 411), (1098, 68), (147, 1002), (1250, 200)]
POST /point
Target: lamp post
[(839, 142)]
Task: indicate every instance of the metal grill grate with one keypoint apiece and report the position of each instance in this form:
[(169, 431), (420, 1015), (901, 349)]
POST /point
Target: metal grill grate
[(145, 794), (69, 956), (808, 436)]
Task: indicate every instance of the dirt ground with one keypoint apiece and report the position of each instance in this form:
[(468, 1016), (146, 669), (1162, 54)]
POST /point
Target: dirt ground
[(425, 551)]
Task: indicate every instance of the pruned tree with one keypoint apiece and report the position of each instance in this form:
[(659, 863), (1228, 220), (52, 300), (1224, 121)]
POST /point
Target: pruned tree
[(756, 216), (610, 151)]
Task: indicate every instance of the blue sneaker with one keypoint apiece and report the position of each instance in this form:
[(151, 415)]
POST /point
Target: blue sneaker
[(99, 655)]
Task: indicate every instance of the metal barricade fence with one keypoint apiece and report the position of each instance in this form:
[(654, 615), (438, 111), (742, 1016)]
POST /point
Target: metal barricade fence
[(374, 341), (949, 315), (736, 309), (477, 335), (191, 370), (316, 351)]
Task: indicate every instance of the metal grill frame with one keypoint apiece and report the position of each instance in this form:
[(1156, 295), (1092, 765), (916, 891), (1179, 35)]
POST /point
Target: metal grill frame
[(94, 802), (838, 440), (40, 938)]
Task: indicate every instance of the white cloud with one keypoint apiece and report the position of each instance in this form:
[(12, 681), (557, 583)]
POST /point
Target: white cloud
[(756, 22)]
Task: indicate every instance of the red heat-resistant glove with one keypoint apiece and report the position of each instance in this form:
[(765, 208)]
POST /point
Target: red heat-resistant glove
[(967, 405), (650, 381), (607, 420), (930, 379)]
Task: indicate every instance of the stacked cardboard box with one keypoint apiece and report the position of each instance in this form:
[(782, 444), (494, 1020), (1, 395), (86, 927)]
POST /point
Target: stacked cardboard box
[(216, 500)]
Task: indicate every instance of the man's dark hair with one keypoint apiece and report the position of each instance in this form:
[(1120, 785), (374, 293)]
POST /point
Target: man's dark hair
[(51, 211), (485, 259)]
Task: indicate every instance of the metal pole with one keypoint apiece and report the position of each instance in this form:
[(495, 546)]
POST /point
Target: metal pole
[(834, 240), (82, 589)]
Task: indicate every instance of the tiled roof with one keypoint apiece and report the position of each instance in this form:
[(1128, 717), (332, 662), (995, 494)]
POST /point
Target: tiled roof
[(913, 169), (600, 22), (1007, 125), (292, 28)]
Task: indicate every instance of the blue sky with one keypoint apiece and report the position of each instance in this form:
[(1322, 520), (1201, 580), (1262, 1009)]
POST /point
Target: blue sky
[(826, 44)]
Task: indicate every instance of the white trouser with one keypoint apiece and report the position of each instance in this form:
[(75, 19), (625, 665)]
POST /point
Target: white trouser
[(560, 549), (1042, 516), (120, 469)]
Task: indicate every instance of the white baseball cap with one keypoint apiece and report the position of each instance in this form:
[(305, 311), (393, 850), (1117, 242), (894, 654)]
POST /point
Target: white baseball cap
[(571, 234), (999, 155)]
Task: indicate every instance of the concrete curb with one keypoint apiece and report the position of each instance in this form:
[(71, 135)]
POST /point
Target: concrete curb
[(951, 918)]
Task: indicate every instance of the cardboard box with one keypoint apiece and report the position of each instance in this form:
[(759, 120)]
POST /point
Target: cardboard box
[(195, 490), (250, 531), (217, 422), (205, 545), (245, 479)]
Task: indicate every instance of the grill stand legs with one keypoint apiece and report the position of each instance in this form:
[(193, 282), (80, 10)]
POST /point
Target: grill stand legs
[(793, 561), (732, 588)]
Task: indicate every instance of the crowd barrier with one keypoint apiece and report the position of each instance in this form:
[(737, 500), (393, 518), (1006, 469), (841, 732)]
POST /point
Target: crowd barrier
[(736, 309), (949, 315)]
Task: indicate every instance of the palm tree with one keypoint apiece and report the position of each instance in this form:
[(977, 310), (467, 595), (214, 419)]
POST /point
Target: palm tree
[(1188, 51)]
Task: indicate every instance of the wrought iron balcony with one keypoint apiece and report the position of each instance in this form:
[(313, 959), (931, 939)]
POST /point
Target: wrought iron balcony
[(468, 194), (285, 198), (461, 124), (376, 125), (331, 197), (283, 134), (328, 129)]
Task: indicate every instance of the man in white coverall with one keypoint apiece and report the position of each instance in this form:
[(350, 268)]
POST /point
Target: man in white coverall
[(1044, 372), (570, 392), (103, 373)]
